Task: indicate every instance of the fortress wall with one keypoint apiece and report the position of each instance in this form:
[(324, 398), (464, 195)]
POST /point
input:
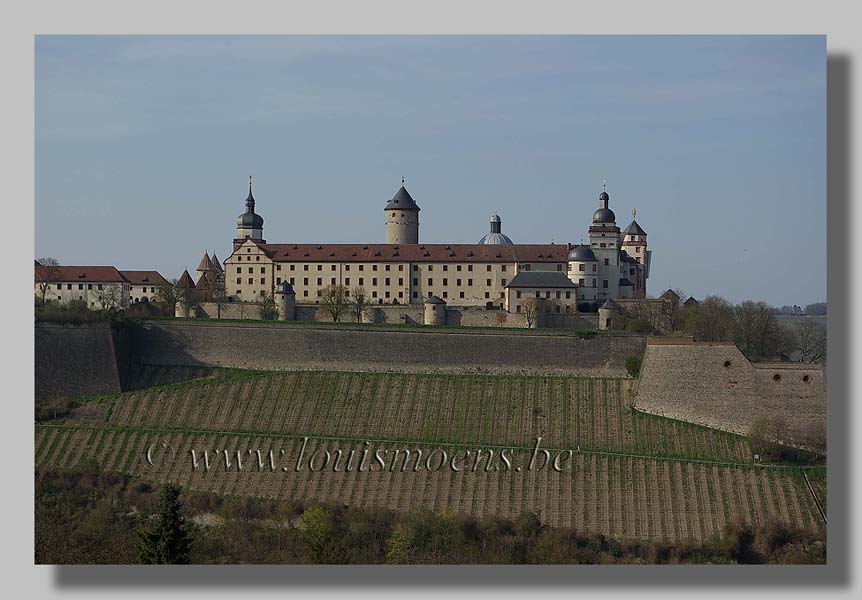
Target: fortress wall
[(690, 381), (265, 346), (76, 360)]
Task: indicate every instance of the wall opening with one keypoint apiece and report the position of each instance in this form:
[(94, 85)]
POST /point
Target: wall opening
[(776, 377)]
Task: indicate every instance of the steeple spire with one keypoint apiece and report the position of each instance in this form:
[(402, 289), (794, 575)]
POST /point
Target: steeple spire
[(249, 202)]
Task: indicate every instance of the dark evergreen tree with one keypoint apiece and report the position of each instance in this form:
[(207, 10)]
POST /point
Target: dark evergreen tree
[(166, 541)]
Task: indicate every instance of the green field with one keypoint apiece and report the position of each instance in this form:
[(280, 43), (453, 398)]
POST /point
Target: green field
[(631, 475)]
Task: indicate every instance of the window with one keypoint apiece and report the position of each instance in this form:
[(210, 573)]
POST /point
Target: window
[(518, 308), (239, 269), (332, 268), (332, 281), (606, 262), (257, 258), (460, 294), (278, 267), (263, 269), (518, 294), (487, 294), (538, 295), (503, 268), (251, 270), (415, 281), (374, 294), (430, 281), (488, 268), (559, 267), (547, 294), (278, 280), (373, 267), (415, 267), (430, 267), (386, 281), (386, 267), (445, 280), (291, 281), (457, 282), (445, 294), (602, 245), (373, 281), (68, 286), (445, 267), (305, 267), (581, 282), (305, 281), (361, 267), (488, 282), (250, 280), (346, 267), (347, 281), (361, 280), (416, 294), (503, 282), (320, 281), (470, 268), (293, 267), (400, 281), (99, 286), (305, 293), (469, 282), (90, 287), (568, 295), (262, 280), (594, 267), (458, 268), (604, 283), (527, 267), (239, 280), (320, 268)]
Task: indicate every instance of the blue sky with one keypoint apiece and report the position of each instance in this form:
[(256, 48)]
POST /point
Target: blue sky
[(144, 146)]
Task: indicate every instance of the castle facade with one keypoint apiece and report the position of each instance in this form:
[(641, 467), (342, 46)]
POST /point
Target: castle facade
[(494, 273)]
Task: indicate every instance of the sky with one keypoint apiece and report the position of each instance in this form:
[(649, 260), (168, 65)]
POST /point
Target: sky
[(144, 145)]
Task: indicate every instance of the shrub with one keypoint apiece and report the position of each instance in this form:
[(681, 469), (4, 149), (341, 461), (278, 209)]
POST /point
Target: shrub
[(638, 326), (633, 366)]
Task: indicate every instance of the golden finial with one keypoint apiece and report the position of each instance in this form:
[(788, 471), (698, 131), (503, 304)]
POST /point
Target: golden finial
[(402, 181), (634, 213)]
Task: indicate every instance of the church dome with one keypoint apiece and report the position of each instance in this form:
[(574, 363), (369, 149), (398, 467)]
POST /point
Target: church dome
[(582, 252), (249, 219), (495, 236)]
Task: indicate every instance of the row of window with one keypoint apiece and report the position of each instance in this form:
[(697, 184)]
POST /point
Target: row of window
[(558, 294), (89, 286)]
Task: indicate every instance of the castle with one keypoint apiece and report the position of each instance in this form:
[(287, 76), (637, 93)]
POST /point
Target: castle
[(494, 273)]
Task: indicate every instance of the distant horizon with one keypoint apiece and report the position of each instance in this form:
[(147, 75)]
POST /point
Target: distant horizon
[(144, 145)]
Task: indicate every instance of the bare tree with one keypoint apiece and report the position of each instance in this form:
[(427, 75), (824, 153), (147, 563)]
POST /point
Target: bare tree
[(359, 303), (111, 297), (810, 341), (531, 307), (168, 297), (268, 309), (334, 300), (219, 298), (758, 332), (47, 274)]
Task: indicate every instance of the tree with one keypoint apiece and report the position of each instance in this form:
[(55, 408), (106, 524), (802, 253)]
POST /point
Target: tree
[(818, 308), (167, 540), (758, 333), (318, 531), (219, 298), (531, 307), (111, 297), (359, 303), (334, 300), (47, 273), (168, 296), (268, 309), (711, 320), (810, 341)]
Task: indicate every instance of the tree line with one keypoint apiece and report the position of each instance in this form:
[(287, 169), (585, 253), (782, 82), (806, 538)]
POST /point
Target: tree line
[(86, 516)]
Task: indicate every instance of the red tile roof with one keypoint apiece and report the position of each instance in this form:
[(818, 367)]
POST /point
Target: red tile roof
[(144, 277), (71, 273), (416, 252)]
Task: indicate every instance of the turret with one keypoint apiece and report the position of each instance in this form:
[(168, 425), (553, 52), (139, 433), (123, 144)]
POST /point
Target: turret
[(249, 225), (435, 311), (635, 244), (496, 236), (604, 242), (402, 218), (285, 299)]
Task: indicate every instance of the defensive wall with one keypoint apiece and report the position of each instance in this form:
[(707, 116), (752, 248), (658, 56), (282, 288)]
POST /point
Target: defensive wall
[(282, 346), (714, 384), (411, 314), (78, 360)]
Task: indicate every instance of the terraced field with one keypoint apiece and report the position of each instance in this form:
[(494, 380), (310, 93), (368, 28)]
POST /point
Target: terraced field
[(630, 475)]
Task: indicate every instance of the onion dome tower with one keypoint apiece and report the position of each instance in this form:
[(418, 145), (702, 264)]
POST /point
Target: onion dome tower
[(402, 218), (249, 225), (495, 236)]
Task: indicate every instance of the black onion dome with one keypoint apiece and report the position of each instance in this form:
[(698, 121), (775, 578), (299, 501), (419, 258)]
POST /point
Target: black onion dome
[(604, 215), (582, 252), (250, 218)]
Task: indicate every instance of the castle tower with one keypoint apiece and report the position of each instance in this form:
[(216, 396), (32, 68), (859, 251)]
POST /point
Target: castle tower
[(205, 268), (402, 218), (285, 298), (249, 225), (435, 311), (605, 244), (635, 244)]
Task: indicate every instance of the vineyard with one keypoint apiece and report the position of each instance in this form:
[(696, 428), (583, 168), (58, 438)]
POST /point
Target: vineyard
[(630, 475)]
